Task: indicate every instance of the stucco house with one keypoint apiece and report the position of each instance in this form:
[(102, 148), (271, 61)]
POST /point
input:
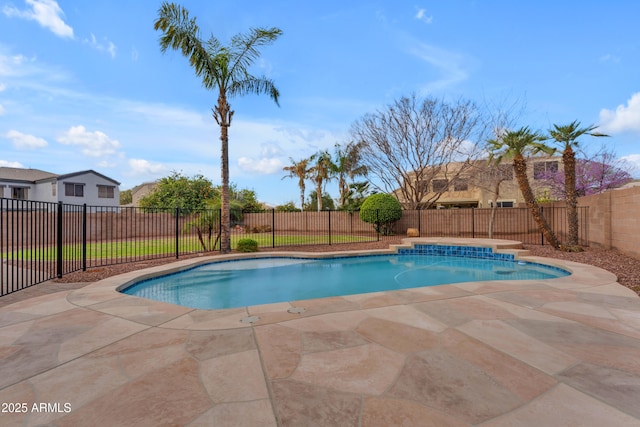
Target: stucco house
[(77, 188), (467, 185)]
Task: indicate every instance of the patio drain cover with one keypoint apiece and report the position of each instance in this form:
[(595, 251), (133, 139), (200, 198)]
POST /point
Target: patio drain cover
[(250, 319), (297, 310)]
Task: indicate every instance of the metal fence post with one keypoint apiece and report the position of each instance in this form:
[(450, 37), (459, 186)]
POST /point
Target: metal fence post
[(273, 227), (177, 215), (378, 224), (329, 220), (84, 237), (419, 222), (541, 233), (473, 224), (59, 241)]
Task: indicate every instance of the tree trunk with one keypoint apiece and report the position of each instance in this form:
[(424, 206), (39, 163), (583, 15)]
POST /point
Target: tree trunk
[(571, 196), (520, 169), (302, 200), (319, 194), (494, 208), (223, 115)]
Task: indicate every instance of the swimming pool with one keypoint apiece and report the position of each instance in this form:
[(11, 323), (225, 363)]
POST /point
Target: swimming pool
[(241, 283)]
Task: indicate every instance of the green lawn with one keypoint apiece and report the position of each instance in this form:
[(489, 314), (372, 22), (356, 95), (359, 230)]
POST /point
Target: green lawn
[(142, 248)]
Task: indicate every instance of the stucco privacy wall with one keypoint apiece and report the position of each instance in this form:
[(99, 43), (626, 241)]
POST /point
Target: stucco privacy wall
[(614, 220)]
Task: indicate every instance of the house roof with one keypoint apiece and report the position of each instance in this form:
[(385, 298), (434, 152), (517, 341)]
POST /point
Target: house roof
[(37, 175), (24, 175), (71, 175)]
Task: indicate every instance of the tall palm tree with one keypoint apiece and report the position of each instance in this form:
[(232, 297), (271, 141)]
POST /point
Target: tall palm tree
[(222, 68), (567, 137), (348, 164), (515, 145), (321, 171), (298, 170)]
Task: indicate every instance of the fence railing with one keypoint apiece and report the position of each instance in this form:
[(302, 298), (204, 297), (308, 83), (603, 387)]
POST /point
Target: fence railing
[(40, 241)]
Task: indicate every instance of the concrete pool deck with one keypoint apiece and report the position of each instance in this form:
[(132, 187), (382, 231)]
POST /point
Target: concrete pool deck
[(563, 351)]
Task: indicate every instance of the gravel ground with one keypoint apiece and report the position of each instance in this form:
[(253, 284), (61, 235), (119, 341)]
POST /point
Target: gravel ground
[(626, 268)]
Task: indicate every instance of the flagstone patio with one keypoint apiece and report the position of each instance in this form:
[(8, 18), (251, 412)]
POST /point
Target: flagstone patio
[(563, 351)]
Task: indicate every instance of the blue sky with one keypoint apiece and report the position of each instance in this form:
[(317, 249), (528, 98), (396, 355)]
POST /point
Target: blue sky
[(83, 84)]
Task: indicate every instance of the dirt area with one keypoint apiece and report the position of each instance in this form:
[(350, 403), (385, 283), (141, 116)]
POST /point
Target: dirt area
[(626, 268)]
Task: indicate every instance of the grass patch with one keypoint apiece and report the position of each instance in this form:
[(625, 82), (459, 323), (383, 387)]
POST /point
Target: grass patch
[(150, 247)]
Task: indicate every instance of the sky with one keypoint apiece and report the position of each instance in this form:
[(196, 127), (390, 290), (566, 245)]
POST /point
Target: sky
[(84, 84)]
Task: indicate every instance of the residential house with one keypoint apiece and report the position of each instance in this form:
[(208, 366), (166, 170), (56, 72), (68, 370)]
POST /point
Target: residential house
[(84, 187), (460, 185)]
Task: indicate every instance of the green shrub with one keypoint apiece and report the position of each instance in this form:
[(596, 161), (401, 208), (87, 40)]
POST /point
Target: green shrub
[(381, 210), (247, 245)]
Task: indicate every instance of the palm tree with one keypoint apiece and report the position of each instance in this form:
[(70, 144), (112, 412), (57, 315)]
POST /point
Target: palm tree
[(515, 145), (567, 137), (222, 68), (298, 170), (348, 165), (321, 172)]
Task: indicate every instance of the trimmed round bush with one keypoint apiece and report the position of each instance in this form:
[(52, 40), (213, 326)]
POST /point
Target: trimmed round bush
[(247, 245), (381, 210)]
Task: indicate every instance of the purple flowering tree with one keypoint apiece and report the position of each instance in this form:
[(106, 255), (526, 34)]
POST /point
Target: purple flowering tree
[(594, 175)]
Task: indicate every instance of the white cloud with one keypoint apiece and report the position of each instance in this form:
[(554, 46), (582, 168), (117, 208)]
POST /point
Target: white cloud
[(422, 16), (94, 144), (265, 166), (2, 110), (22, 141), (448, 64), (46, 12), (144, 167), (624, 118), (633, 161), (3, 87), (9, 164), (102, 46), (609, 58)]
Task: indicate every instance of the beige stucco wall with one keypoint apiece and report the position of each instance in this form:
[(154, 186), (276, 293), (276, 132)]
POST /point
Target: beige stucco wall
[(614, 220)]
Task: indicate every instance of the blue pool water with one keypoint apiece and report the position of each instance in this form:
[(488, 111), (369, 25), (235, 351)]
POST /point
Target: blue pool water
[(248, 282)]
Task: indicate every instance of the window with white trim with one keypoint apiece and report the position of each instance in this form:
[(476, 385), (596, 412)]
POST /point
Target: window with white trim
[(542, 170), (19, 193), (106, 191), (73, 190)]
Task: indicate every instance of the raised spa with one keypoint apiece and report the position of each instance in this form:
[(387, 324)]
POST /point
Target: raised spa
[(246, 282)]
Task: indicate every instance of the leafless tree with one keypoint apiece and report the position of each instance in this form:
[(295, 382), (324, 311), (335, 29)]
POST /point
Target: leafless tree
[(409, 143)]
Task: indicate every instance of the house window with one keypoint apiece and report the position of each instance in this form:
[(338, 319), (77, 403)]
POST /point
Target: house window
[(461, 184), (73, 190), (423, 186), (542, 170), (19, 193), (440, 185), (505, 204), (106, 191)]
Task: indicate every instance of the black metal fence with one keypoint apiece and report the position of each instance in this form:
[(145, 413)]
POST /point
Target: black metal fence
[(40, 241)]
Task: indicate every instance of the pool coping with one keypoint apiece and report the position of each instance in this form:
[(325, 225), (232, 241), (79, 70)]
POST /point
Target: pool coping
[(105, 295)]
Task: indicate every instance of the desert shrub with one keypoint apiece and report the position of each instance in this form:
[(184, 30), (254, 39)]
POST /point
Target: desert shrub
[(247, 245), (381, 210)]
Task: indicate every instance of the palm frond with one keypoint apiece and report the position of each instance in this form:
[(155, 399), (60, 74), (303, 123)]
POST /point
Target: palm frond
[(180, 32), (244, 47), (254, 85)]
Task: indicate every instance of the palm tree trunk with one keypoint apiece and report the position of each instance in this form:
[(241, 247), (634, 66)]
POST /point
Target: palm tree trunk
[(571, 196), (224, 113), (319, 194), (520, 169)]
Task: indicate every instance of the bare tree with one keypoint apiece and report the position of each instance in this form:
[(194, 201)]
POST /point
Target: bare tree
[(489, 176), (412, 141)]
